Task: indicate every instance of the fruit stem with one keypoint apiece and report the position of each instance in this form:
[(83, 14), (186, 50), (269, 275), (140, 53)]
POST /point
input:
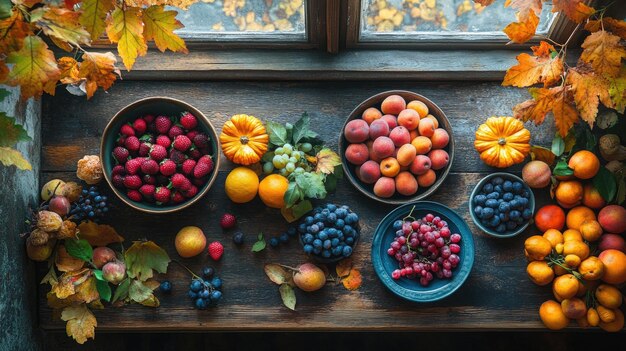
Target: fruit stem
[(410, 214), (289, 267), (194, 275)]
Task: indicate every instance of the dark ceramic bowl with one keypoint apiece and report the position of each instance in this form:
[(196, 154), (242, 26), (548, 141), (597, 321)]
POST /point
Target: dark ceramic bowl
[(156, 106), (368, 189)]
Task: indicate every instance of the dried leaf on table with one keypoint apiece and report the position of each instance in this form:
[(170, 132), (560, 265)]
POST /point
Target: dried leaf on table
[(81, 323), (344, 267), (99, 234), (278, 274), (144, 257), (288, 296), (353, 280), (65, 262)]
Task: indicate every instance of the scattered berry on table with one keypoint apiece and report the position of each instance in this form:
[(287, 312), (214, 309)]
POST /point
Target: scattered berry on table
[(166, 286), (274, 242), (238, 238), (207, 272), (216, 249), (228, 221)]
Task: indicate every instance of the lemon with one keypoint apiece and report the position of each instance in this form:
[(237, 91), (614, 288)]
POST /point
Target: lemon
[(241, 185)]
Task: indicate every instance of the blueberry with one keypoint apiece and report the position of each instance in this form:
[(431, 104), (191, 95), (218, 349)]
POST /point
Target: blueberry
[(325, 212), (523, 202), (503, 206), (238, 238), (332, 232), (331, 218), (341, 213), (336, 251), (331, 207), (274, 242), (478, 211), (340, 223), (166, 286), (349, 240), (308, 248), (527, 214), (526, 194), (492, 203), (507, 196), (207, 272), (192, 294), (347, 251), (308, 238), (204, 294), (216, 282), (284, 237), (504, 217), (517, 187), (201, 304), (514, 203), (216, 295), (318, 217), (326, 253), (493, 195), (497, 181), (327, 244), (478, 200), (320, 225), (487, 212), (507, 185), (196, 285), (317, 243), (515, 214), (501, 228), (511, 225), (313, 229), (347, 228), (334, 242), (488, 188), (498, 189), (302, 228), (323, 235), (309, 220), (352, 218), (495, 221)]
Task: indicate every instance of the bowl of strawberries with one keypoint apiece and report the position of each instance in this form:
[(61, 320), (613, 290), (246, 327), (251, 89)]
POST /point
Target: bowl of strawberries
[(160, 154)]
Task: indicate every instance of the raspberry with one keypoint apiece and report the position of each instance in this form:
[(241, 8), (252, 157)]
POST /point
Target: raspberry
[(149, 179), (188, 121), (132, 143), (134, 195), (177, 156), (133, 165), (205, 159), (164, 141), (163, 124), (144, 149), (192, 134), (188, 166), (148, 118), (119, 169), (158, 153), (132, 182), (195, 154), (127, 130), (201, 141), (177, 197), (140, 126), (168, 167), (193, 191), (216, 249), (181, 182), (118, 181), (175, 131), (150, 167), (228, 221), (120, 154), (182, 143), (147, 191), (162, 194), (202, 169)]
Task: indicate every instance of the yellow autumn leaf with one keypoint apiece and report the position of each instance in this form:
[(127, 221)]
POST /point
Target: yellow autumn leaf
[(615, 26), (540, 68), (576, 10), (524, 7), (539, 153), (588, 90), (524, 30), (565, 114), (69, 70), (93, 16), (13, 30), (344, 267), (159, 25), (538, 107), (125, 28), (604, 52), (81, 323), (617, 90), (12, 157), (34, 65), (63, 24), (99, 71), (68, 282), (181, 4), (326, 160), (98, 234), (66, 263)]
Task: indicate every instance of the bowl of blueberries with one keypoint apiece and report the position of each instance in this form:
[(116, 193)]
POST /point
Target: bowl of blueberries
[(329, 233), (502, 205)]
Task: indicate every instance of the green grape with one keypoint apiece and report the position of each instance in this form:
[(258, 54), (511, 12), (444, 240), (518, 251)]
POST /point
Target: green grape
[(306, 147), (285, 158), (283, 172), (279, 151), (292, 159), (288, 126), (268, 167), (296, 156), (290, 167), (298, 170), (278, 161), (288, 149)]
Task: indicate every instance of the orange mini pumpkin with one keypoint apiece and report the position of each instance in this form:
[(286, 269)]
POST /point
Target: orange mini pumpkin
[(502, 141), (244, 139)]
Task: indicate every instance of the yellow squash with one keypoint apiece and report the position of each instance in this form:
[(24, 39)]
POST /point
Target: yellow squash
[(244, 139), (502, 141)]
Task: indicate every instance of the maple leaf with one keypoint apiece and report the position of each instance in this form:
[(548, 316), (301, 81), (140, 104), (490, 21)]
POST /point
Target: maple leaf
[(10, 131), (615, 26), (81, 323), (576, 10), (484, 2), (531, 70), (540, 153), (98, 234), (142, 294), (94, 15), (538, 107), (62, 24), (326, 160), (13, 30), (13, 157), (69, 70), (523, 30), (604, 51), (33, 66), (159, 25), (181, 4), (524, 7), (617, 90), (353, 280), (589, 89), (143, 257), (565, 114), (125, 28), (99, 71)]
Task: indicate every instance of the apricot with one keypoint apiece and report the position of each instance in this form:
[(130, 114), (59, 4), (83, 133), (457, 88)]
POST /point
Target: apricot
[(413, 134), (565, 286), (591, 268), (422, 145), (190, 241), (572, 234), (406, 154), (577, 215), (418, 107), (309, 277), (590, 230), (616, 325), (569, 193), (420, 165), (554, 237), (609, 296), (102, 255), (585, 164), (409, 119), (614, 266), (574, 308), (391, 120), (393, 104), (406, 184), (370, 150), (383, 147), (537, 247), (357, 131), (592, 197), (536, 174), (613, 219), (439, 158), (385, 187), (575, 247), (400, 136), (434, 119), (389, 167), (427, 179), (357, 154), (612, 241), (540, 272), (378, 128), (426, 127), (552, 315), (371, 114), (369, 172), (440, 138)]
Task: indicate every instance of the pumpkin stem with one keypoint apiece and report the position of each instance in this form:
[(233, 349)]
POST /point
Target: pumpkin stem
[(502, 141), (244, 139)]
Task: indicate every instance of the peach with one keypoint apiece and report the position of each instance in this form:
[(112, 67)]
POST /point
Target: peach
[(391, 120), (389, 167), (378, 128), (371, 114), (369, 172), (418, 107), (422, 145), (400, 136), (357, 154), (536, 174), (427, 179), (434, 119), (406, 184), (414, 134), (409, 119), (385, 187), (612, 241), (420, 165), (357, 131), (382, 147), (426, 127), (406, 154), (440, 138), (439, 158), (393, 104), (612, 218)]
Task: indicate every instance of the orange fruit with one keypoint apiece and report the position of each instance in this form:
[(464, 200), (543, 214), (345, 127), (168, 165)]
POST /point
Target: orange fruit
[(190, 241), (616, 325), (592, 197), (606, 314), (552, 315), (577, 215), (585, 164), (614, 266), (572, 261), (591, 230), (540, 272), (591, 268), (554, 237), (537, 247), (592, 317), (569, 193), (572, 234), (241, 185), (565, 286), (272, 190), (609, 296), (574, 308), (550, 217), (575, 247)]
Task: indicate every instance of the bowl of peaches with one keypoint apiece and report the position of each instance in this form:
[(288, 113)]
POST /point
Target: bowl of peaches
[(397, 147)]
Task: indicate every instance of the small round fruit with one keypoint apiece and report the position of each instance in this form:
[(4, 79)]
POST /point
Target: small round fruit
[(40, 253), (591, 268), (419, 107), (272, 190), (612, 241), (537, 247), (550, 217), (572, 234), (585, 164), (60, 205), (609, 296), (613, 219), (114, 272), (569, 193), (242, 185), (616, 325), (590, 230), (540, 272), (572, 261), (440, 138), (554, 237), (536, 174), (393, 105), (190, 241), (552, 315), (371, 114), (566, 286), (309, 277), (614, 266), (55, 186), (385, 187), (577, 215), (575, 247), (102, 255), (574, 308), (592, 197), (357, 131)]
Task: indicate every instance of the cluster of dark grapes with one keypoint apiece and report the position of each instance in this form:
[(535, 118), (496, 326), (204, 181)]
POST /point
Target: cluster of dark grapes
[(424, 248), (205, 291), (90, 205), (283, 238), (502, 205), (330, 231)]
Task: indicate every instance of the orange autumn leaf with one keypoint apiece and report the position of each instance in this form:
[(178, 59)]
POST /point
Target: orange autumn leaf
[(13, 30), (576, 10), (538, 107), (615, 26), (344, 267), (98, 234), (181, 4), (93, 16), (68, 282), (589, 89), (62, 24), (66, 263), (34, 65), (531, 70), (540, 153), (4, 71), (159, 25), (353, 280), (27, 3), (524, 30), (99, 71), (125, 28), (69, 70), (484, 2), (565, 114), (524, 7), (604, 52)]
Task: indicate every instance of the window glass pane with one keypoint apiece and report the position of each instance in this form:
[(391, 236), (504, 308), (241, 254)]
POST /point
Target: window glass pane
[(220, 19), (441, 18)]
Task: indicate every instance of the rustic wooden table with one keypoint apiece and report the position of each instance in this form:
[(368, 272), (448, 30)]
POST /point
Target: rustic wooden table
[(496, 296)]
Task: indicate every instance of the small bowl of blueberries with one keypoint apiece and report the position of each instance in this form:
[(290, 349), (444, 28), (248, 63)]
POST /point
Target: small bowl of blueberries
[(502, 205)]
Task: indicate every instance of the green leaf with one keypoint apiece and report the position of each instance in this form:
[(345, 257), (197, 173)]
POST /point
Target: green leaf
[(331, 179), (79, 248), (301, 208), (288, 296), (104, 290), (3, 92), (98, 274), (621, 191), (558, 145), (293, 194), (301, 128), (121, 292), (277, 133), (604, 181), (138, 292), (312, 184), (260, 244), (562, 169), (11, 132), (5, 10), (143, 257)]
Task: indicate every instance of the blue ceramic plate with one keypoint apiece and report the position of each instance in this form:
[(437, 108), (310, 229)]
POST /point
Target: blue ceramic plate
[(411, 289)]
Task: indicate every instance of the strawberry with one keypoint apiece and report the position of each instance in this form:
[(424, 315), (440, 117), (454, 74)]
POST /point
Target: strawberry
[(120, 154), (133, 165), (164, 141), (191, 192), (175, 131), (188, 166), (192, 134), (195, 154), (228, 221), (201, 141), (181, 182), (120, 140), (118, 181), (182, 143), (150, 167), (216, 249), (167, 168), (127, 130), (162, 194), (147, 190), (140, 126), (158, 153), (177, 197), (132, 143), (134, 195), (177, 156), (144, 149), (202, 169), (163, 124), (132, 182), (149, 179), (119, 169), (148, 118), (188, 121)]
